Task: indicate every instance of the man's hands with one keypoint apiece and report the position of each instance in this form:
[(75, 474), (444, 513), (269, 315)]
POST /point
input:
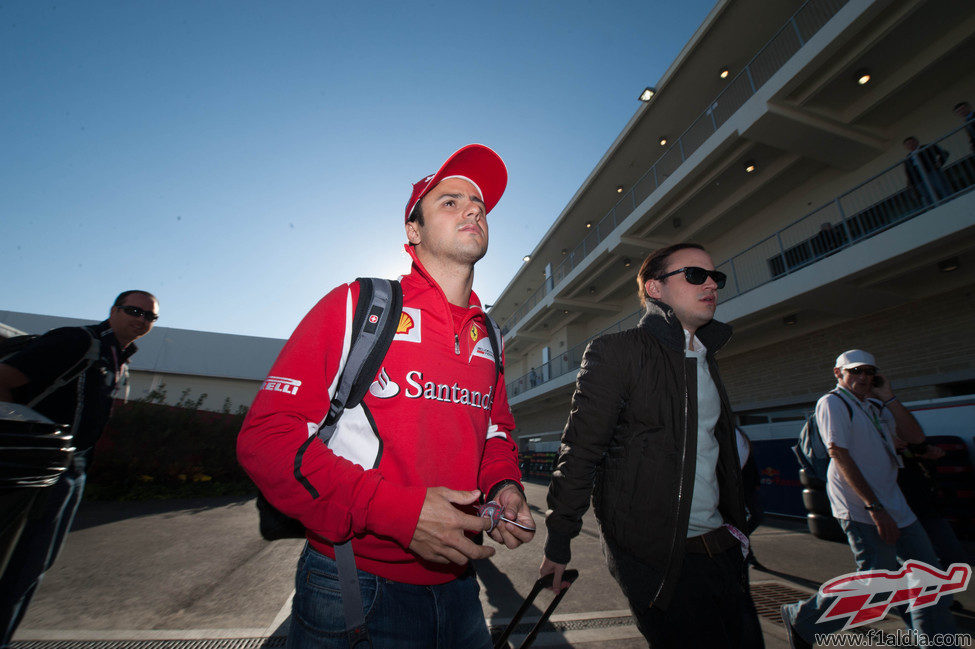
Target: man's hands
[(886, 527), (439, 535), (549, 567), (513, 507)]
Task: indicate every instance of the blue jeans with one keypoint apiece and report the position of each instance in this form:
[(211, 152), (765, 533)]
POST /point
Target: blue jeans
[(870, 552), (38, 547), (397, 615), (946, 544)]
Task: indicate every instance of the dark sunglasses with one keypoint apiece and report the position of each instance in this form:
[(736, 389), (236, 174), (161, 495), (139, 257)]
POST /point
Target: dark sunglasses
[(136, 312), (863, 369), (697, 275)]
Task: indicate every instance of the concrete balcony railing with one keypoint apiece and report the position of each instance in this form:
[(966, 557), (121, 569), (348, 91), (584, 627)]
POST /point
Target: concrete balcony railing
[(875, 205)]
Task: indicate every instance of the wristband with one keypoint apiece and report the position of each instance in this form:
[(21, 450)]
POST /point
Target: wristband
[(493, 492), (893, 398)]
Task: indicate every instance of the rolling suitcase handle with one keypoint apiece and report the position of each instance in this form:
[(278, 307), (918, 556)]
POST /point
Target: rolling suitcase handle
[(542, 582)]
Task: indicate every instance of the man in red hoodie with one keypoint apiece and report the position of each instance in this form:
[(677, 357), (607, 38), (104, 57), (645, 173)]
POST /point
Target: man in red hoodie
[(403, 471)]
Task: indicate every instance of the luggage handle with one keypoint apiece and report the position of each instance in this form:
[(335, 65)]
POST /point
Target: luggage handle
[(541, 583)]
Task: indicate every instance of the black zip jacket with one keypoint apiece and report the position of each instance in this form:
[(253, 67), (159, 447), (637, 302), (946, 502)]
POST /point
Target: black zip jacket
[(632, 431), (85, 402)]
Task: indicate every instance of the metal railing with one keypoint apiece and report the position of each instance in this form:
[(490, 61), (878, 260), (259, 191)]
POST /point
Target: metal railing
[(877, 204), (800, 27)]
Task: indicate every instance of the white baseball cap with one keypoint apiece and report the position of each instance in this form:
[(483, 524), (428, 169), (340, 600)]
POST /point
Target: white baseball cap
[(854, 358)]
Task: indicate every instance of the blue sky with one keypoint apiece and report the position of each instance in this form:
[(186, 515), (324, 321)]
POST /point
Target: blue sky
[(239, 159)]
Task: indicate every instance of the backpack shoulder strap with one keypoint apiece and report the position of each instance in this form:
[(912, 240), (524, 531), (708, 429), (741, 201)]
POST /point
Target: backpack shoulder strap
[(92, 354), (374, 324), (377, 313), (497, 345), (849, 408)]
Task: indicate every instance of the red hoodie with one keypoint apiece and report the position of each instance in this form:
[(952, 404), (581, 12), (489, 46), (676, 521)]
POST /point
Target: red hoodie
[(436, 415)]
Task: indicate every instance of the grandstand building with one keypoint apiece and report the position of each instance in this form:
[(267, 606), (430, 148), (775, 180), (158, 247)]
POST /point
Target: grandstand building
[(775, 139)]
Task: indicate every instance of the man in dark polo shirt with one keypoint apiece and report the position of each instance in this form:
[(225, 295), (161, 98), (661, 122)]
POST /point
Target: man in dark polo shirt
[(68, 375)]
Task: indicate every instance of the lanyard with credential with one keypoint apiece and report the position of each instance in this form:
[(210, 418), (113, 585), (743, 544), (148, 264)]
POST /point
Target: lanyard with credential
[(872, 416)]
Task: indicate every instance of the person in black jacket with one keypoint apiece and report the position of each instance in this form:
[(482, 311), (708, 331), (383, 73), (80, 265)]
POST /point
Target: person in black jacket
[(651, 424), (84, 402)]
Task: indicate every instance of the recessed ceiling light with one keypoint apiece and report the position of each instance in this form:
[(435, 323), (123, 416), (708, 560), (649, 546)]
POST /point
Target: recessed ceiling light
[(619, 189), (647, 94), (626, 262), (751, 167), (565, 251), (588, 224), (724, 73), (790, 320), (663, 140), (863, 78), (527, 258), (948, 265)]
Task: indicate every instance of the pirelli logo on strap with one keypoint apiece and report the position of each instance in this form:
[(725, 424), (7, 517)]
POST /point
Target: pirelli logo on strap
[(281, 384)]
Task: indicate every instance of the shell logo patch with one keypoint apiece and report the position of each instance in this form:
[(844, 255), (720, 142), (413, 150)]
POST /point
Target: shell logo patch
[(405, 323), (408, 328)]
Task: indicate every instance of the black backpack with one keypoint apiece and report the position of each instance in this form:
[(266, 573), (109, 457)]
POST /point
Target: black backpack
[(811, 451), (374, 323)]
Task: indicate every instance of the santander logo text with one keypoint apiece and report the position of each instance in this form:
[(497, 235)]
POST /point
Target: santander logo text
[(384, 388), (864, 597), (446, 392)]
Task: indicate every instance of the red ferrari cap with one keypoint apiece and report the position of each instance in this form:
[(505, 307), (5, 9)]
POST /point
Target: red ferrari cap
[(475, 163)]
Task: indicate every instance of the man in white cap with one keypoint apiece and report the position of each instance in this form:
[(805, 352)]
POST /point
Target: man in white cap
[(404, 469), (858, 421)]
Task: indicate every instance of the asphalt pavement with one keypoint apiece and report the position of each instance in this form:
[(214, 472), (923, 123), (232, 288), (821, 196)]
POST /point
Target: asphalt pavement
[(178, 573)]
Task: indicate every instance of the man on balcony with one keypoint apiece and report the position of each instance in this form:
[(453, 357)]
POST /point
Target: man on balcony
[(923, 168), (964, 110), (859, 421), (651, 421)]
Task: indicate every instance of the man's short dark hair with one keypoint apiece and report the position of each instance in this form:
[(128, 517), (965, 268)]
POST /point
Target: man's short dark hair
[(909, 138), (120, 300), (655, 264), (416, 214)]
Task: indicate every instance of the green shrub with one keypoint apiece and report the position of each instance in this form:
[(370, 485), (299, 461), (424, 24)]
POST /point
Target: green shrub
[(152, 450)]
